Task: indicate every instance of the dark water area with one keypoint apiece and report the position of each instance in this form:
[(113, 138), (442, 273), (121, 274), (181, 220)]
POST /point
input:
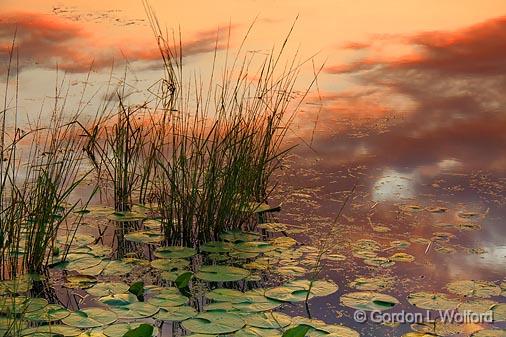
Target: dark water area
[(447, 200)]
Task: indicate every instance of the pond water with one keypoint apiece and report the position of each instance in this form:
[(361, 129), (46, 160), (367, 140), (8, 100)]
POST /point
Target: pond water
[(445, 206)]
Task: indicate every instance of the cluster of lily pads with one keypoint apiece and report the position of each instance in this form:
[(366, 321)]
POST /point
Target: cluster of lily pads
[(118, 308), (470, 297)]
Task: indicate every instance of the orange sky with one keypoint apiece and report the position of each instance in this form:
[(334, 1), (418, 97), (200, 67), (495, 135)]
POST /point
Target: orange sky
[(442, 62)]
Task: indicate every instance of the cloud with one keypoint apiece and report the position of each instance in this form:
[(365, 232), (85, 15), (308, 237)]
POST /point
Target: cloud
[(47, 41), (450, 88)]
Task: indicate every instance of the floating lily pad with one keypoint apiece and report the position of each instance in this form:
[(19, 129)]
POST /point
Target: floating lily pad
[(250, 331), (373, 284), (490, 333), (168, 298), (136, 310), (176, 314), (379, 262), (21, 304), (216, 247), (170, 264), (126, 216), (268, 320), (297, 291), (254, 246), (432, 301), (80, 281), (499, 312), (108, 288), (217, 273), (479, 306), (174, 252), (225, 295), (402, 257), (145, 237), (50, 313), (90, 318), (369, 301), (438, 328), (213, 323), (83, 263), (119, 299), (51, 330), (120, 329), (235, 236), (473, 288), (117, 268)]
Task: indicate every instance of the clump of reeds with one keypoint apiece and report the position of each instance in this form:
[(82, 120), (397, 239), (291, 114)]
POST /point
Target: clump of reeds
[(40, 168), (220, 142)]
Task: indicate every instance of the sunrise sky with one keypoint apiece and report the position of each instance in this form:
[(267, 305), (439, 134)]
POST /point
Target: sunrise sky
[(438, 64)]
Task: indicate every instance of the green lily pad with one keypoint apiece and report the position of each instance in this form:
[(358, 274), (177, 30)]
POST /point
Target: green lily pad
[(490, 333), (216, 247), (50, 313), (90, 318), (168, 298), (213, 323), (108, 288), (170, 264), (254, 246), (250, 331), (236, 236), (473, 288), (217, 273), (120, 329), (148, 237), (119, 299), (369, 301), (51, 330), (479, 306), (126, 216), (21, 304), (499, 312), (433, 301), (136, 310), (379, 261), (176, 314), (402, 257), (117, 268), (80, 281), (373, 284), (268, 320), (225, 295), (174, 252)]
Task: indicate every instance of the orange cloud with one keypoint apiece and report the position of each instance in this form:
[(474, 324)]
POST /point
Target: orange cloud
[(48, 41), (451, 84)]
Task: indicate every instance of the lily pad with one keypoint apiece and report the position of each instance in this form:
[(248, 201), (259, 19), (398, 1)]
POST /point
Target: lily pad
[(369, 301), (108, 288), (268, 320), (176, 314), (50, 313), (51, 330), (213, 323), (174, 252), (432, 301), (136, 310), (149, 237), (217, 273), (167, 299), (170, 264), (90, 318), (120, 329), (473, 288)]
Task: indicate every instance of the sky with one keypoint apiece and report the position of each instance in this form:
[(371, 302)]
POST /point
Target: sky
[(434, 70)]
